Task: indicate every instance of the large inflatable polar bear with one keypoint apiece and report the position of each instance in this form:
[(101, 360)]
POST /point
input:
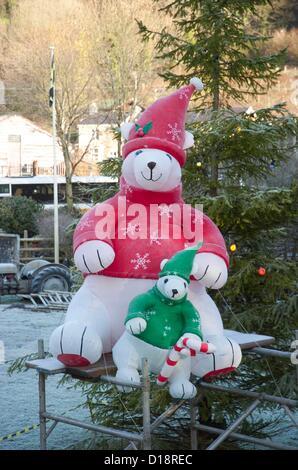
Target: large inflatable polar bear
[(123, 261)]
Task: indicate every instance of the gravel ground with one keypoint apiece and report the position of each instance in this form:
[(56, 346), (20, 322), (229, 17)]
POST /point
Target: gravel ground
[(19, 331)]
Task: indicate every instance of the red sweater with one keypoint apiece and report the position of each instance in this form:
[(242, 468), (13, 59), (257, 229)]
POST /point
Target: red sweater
[(140, 247)]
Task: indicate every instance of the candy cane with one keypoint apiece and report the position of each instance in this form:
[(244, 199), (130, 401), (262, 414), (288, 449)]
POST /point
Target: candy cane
[(173, 358)]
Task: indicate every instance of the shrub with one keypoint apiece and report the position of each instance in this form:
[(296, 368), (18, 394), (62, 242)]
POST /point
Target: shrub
[(19, 213), (67, 224)]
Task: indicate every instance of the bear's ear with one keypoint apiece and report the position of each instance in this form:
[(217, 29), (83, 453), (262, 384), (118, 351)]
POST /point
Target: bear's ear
[(195, 267), (163, 262), (125, 129), (188, 140)]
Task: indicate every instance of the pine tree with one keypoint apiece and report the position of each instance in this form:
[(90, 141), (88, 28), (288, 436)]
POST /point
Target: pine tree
[(212, 40), (227, 171)]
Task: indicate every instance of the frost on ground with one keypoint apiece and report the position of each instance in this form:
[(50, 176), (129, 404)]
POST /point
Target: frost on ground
[(19, 331)]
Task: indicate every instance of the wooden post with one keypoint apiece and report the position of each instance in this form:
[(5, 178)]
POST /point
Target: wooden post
[(146, 405), (193, 430), (25, 255), (42, 400)]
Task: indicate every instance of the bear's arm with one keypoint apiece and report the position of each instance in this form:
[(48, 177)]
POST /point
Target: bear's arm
[(202, 227), (97, 224), (192, 321), (138, 306)]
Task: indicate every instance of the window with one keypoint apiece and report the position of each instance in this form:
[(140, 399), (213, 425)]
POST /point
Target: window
[(4, 189)]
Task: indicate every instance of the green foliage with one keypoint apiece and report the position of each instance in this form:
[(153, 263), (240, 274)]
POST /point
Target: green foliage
[(211, 40), (257, 221), (6, 7), (245, 145), (19, 213)]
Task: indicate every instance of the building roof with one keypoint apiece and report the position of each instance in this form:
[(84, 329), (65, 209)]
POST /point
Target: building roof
[(19, 117), (102, 117)]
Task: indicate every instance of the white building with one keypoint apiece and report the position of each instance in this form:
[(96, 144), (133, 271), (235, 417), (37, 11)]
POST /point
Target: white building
[(96, 134), (25, 148), (26, 163)]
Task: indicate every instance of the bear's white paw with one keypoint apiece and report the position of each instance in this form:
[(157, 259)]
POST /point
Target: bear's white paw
[(136, 326), (75, 344), (210, 270), (127, 374), (93, 256), (183, 390)]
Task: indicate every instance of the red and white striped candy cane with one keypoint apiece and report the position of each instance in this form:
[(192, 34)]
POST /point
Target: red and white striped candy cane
[(173, 358)]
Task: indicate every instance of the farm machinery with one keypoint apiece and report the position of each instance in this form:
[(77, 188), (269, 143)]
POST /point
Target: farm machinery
[(36, 276)]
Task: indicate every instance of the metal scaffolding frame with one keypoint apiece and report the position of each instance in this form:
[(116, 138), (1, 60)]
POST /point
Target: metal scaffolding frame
[(143, 439)]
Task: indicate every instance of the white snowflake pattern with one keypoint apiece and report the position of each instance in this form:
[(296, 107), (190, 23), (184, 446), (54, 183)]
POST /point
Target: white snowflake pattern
[(174, 131), (164, 209), (131, 229), (140, 261), (85, 223), (183, 94), (151, 313), (168, 328), (154, 238), (127, 190)]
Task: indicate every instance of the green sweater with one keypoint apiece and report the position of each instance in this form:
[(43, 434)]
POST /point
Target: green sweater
[(167, 320)]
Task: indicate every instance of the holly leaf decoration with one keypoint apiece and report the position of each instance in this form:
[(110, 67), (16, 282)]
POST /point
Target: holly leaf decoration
[(147, 127), (137, 127)]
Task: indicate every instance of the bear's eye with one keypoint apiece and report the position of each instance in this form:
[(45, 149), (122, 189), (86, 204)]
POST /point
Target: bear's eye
[(166, 280), (185, 285), (169, 156), (138, 152)]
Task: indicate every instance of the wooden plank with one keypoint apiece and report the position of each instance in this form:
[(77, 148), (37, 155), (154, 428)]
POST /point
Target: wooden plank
[(105, 366), (37, 239), (249, 340), (36, 248), (48, 366)]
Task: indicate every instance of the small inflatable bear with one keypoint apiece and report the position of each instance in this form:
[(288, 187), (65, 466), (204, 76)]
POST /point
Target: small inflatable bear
[(161, 319)]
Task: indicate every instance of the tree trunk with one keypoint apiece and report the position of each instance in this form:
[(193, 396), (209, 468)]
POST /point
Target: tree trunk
[(215, 107), (69, 194), (68, 178)]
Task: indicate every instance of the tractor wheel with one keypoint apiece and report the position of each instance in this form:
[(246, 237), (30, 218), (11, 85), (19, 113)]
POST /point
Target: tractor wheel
[(51, 278)]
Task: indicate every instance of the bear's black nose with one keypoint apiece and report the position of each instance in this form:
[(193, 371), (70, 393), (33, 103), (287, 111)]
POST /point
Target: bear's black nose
[(174, 292), (151, 165)]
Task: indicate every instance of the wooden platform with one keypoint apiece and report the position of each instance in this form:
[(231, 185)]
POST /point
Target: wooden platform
[(106, 366), (249, 340)]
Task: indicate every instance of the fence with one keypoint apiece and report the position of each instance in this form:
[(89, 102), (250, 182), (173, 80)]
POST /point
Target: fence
[(36, 247)]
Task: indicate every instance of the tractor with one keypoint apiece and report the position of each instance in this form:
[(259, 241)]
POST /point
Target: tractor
[(38, 275)]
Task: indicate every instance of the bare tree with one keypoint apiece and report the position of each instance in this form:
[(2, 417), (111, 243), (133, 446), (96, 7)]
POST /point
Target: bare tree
[(127, 68), (99, 57), (68, 26)]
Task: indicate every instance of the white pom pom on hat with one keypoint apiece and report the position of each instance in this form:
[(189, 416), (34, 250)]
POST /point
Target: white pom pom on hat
[(197, 83)]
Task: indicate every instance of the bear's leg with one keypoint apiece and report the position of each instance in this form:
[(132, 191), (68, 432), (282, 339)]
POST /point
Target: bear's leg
[(224, 360), (180, 385), (87, 328), (127, 361)]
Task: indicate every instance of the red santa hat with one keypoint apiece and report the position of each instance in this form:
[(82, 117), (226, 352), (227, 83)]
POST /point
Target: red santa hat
[(162, 125)]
